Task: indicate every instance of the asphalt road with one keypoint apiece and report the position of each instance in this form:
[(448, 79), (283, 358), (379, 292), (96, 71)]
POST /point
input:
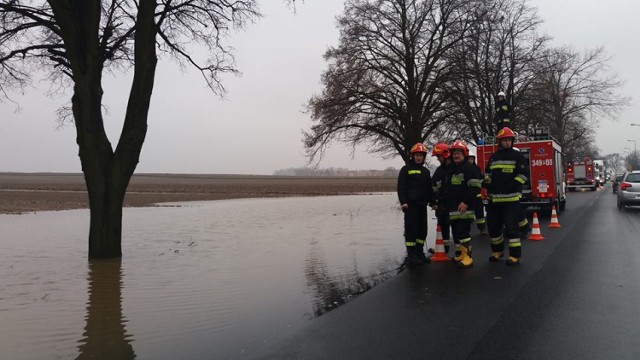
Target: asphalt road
[(575, 295)]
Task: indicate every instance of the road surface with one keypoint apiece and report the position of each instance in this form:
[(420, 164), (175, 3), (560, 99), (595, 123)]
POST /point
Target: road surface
[(575, 295)]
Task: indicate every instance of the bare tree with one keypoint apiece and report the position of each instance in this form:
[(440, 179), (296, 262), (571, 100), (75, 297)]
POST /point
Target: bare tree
[(573, 93), (76, 41), (384, 84), (632, 160), (614, 162), (497, 56)]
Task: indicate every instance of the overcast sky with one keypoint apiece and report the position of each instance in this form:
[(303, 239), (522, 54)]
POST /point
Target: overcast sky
[(258, 128)]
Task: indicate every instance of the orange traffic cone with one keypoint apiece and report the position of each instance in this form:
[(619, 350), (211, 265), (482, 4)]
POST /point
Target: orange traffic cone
[(554, 218), (439, 255), (535, 230)]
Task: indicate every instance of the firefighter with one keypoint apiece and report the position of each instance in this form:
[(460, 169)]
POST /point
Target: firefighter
[(502, 115), (523, 224), (441, 152), (505, 174), (415, 192), (478, 205), (460, 189)]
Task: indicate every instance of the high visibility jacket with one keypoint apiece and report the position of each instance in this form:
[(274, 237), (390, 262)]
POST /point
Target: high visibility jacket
[(462, 184), (505, 174), (503, 113), (414, 185)]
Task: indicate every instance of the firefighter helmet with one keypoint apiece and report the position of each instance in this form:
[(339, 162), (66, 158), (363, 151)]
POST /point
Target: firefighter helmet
[(501, 93), (440, 149), (505, 132), (459, 145), (418, 148)]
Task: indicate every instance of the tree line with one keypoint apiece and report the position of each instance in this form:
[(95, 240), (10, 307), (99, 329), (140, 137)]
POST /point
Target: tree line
[(333, 171), (407, 71)]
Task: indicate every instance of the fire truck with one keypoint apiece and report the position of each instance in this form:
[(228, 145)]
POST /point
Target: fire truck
[(546, 185), (581, 173)]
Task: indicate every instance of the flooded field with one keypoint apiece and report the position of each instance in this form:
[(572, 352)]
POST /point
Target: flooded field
[(221, 279)]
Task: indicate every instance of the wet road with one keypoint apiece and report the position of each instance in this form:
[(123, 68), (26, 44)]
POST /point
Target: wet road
[(576, 295)]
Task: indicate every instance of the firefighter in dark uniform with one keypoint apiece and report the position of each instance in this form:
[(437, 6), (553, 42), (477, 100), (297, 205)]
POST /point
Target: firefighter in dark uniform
[(415, 192), (505, 174), (478, 205), (502, 115), (460, 189), (441, 152), (523, 224)]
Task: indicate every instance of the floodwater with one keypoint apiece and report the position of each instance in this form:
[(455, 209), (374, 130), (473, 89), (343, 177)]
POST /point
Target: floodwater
[(206, 280)]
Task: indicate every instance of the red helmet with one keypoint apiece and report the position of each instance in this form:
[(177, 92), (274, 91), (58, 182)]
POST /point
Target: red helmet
[(505, 132), (418, 148), (459, 145), (440, 149)]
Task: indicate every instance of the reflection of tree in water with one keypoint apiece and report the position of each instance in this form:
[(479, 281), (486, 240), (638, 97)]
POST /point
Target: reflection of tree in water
[(331, 290), (104, 335)]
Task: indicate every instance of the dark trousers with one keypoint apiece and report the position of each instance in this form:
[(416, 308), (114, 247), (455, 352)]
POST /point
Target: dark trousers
[(461, 230), (415, 225), (479, 208), (504, 124), (443, 221), (502, 221)]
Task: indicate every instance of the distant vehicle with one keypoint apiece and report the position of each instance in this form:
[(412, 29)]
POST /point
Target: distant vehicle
[(581, 173), (545, 187), (616, 182), (629, 189), (598, 168)]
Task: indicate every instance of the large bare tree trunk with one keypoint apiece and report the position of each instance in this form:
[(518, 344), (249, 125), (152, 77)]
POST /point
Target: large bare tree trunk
[(105, 184), (107, 172)]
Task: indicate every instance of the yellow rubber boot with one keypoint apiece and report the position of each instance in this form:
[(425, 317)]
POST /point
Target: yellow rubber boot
[(496, 256), (458, 254), (513, 261), (466, 260)]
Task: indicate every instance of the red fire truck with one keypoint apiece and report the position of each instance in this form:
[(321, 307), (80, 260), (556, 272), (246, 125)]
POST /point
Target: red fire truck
[(581, 173), (546, 186)]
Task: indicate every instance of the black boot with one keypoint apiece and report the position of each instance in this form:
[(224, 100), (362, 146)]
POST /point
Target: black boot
[(416, 256), (421, 255)]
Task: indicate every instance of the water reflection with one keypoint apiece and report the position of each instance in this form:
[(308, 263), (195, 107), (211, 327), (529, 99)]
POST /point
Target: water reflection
[(211, 280), (331, 291), (104, 334)]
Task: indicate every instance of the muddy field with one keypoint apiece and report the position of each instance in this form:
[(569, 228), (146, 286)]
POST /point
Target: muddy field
[(20, 193)]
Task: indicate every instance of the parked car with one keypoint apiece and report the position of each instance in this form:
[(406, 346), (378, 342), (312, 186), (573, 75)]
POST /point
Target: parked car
[(616, 182), (629, 189)]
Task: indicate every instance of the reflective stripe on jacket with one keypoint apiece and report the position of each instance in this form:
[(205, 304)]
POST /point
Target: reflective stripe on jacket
[(414, 185), (462, 184), (505, 174)]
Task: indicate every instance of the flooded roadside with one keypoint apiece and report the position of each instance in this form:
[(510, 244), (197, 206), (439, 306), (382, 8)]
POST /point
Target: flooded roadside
[(220, 279)]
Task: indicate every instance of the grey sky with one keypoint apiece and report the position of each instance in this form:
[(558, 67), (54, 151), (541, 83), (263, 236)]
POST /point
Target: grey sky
[(258, 128)]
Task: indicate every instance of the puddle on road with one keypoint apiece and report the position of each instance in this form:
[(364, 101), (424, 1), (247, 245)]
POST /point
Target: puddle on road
[(221, 279)]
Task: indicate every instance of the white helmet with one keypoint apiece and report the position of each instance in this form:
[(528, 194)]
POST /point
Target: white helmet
[(501, 93)]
